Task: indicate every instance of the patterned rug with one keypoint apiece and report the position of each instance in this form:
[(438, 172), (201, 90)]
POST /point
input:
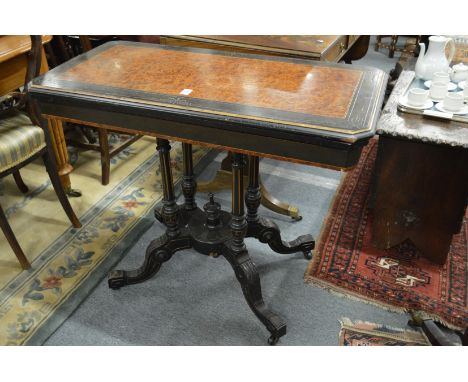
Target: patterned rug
[(67, 263), (398, 279), (370, 334)]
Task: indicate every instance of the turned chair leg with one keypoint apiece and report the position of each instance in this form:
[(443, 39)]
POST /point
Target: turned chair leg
[(10, 236), (378, 40), (54, 177), (391, 50), (19, 182), (105, 155)]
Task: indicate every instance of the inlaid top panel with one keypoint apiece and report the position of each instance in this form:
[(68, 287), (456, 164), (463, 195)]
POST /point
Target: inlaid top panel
[(280, 85), (281, 90)]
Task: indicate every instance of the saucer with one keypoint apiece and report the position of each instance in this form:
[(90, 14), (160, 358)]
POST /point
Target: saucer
[(404, 102), (463, 110), (466, 97), (462, 85), (435, 100), (451, 85)]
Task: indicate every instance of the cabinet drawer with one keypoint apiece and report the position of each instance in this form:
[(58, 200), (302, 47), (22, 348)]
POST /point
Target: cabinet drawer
[(336, 50), (352, 39)]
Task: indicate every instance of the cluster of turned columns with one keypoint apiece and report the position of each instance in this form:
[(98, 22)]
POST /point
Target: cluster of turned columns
[(239, 221)]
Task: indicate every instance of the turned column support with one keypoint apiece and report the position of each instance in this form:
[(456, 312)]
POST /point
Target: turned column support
[(253, 197), (189, 185), (170, 210), (238, 221)]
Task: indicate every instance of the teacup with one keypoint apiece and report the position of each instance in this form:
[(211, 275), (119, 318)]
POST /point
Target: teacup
[(417, 97), (453, 102), (441, 77), (438, 90)]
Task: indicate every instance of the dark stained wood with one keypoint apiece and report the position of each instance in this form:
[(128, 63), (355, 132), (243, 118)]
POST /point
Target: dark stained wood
[(11, 238), (421, 179), (19, 182), (148, 132), (238, 125), (421, 194), (105, 157), (85, 43), (360, 46)]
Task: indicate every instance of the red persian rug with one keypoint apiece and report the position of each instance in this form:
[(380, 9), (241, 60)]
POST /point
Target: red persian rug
[(397, 279)]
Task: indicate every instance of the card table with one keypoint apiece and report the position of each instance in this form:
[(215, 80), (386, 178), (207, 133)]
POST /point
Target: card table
[(253, 106)]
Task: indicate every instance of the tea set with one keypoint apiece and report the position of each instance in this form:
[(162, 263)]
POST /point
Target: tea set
[(441, 80)]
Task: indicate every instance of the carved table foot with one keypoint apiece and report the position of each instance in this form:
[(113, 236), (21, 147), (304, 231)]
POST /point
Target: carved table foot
[(247, 275), (266, 231), (159, 251)]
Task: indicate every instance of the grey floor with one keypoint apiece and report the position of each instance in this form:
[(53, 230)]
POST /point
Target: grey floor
[(196, 300)]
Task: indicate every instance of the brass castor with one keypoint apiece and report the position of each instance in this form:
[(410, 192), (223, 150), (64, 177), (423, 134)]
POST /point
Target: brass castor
[(273, 340)]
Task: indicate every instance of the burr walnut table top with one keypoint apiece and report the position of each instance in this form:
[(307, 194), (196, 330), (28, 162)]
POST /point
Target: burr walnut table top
[(283, 98)]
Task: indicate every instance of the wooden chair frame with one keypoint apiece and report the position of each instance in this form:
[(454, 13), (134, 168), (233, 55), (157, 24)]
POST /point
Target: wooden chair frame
[(34, 64), (392, 48)]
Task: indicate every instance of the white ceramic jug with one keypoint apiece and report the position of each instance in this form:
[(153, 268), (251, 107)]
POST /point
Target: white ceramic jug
[(435, 59)]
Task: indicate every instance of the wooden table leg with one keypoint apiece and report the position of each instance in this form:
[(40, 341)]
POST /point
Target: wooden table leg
[(222, 181), (237, 255), (212, 232), (59, 146)]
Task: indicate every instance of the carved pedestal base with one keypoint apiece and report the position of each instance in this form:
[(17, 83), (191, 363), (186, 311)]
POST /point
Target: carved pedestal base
[(214, 232)]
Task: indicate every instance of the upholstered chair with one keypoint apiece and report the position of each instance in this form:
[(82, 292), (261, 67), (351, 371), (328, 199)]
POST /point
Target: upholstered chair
[(24, 137)]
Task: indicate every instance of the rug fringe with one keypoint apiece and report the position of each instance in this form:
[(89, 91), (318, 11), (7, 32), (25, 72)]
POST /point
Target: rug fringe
[(344, 293), (406, 335), (348, 323)]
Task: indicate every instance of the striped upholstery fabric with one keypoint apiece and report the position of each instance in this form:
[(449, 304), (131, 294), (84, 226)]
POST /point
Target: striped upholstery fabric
[(19, 139)]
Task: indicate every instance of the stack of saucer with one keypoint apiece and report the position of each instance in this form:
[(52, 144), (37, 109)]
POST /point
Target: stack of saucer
[(416, 99), (453, 103)]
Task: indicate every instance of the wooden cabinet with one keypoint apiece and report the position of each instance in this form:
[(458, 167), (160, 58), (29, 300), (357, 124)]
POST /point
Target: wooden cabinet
[(330, 48), (14, 61)]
